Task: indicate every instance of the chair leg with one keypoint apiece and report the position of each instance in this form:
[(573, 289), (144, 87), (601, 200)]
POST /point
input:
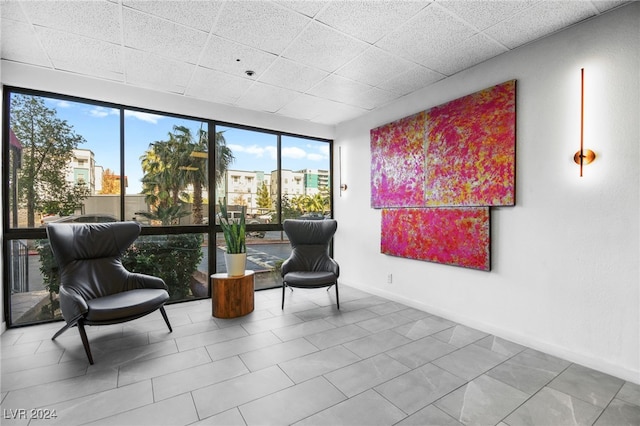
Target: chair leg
[(337, 297), (63, 329), (283, 286), (166, 318), (85, 341)]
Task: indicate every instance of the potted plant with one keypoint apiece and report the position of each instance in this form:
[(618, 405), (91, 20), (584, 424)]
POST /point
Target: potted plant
[(234, 231)]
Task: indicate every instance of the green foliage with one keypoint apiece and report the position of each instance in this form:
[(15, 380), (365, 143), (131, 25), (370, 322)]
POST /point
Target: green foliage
[(69, 200), (174, 258), (264, 197), (234, 232), (51, 278), (47, 146)]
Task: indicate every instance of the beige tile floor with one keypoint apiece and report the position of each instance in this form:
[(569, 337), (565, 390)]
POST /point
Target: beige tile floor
[(374, 362)]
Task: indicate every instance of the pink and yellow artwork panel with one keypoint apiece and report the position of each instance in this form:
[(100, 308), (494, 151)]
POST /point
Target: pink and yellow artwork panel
[(456, 236), (398, 163), (470, 152)]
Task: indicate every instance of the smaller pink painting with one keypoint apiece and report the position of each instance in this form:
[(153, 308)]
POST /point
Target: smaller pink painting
[(456, 236)]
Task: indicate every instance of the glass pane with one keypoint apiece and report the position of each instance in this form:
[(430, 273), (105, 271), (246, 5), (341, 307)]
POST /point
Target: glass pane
[(305, 178), (247, 176), (60, 153), (264, 257), (246, 172), (166, 169), (32, 274), (180, 259)]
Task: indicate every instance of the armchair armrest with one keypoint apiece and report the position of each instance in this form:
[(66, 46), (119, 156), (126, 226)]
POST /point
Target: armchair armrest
[(136, 280), (72, 304)]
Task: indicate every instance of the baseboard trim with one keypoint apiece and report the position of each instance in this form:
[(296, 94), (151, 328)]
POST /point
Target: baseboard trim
[(542, 346)]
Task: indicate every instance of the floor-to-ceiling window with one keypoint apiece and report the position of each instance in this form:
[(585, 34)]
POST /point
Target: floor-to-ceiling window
[(74, 160), (274, 177)]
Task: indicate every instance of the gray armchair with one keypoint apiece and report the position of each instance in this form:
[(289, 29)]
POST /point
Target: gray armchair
[(95, 288), (309, 265)]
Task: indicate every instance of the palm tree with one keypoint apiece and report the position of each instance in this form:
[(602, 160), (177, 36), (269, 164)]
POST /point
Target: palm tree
[(171, 166)]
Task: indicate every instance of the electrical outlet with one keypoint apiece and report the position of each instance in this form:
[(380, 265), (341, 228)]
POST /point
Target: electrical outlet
[(389, 278)]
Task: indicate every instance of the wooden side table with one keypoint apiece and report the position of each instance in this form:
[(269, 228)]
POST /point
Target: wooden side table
[(232, 297)]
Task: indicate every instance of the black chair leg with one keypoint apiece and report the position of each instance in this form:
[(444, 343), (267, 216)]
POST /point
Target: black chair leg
[(337, 297), (63, 329), (85, 341), (166, 318), (283, 286)]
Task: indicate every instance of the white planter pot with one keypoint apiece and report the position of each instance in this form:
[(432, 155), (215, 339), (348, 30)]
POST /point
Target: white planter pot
[(236, 264)]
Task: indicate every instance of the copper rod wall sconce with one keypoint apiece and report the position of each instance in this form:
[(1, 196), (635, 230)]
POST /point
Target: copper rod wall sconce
[(584, 156), (343, 186)]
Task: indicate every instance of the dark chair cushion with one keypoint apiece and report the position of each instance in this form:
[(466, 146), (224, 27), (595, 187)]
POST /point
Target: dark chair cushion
[(128, 304), (310, 279)]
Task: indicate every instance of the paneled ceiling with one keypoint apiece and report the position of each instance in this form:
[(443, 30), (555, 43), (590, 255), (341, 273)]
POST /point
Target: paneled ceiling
[(322, 61)]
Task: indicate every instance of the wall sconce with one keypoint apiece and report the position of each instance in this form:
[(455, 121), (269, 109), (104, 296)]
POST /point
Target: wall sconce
[(343, 186), (584, 156)]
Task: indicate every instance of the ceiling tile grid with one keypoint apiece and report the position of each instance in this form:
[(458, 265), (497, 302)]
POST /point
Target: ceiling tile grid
[(324, 61)]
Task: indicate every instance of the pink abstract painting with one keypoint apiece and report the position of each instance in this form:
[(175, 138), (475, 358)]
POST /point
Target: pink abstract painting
[(461, 153), (470, 153), (454, 236), (398, 163)]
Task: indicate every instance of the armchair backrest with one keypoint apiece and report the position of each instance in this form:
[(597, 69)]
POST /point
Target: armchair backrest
[(310, 244), (88, 255)]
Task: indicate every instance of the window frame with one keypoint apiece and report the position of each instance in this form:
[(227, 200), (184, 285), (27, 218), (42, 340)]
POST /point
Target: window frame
[(11, 233)]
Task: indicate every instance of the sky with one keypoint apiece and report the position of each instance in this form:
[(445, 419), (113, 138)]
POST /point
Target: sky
[(253, 151)]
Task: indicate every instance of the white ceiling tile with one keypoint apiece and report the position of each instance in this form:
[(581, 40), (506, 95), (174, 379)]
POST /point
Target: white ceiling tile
[(151, 71), (538, 21), (306, 107), (293, 46), (375, 66), (263, 25), (71, 52), (20, 44), (372, 98), (263, 97), (234, 58), (292, 75), (338, 89), (322, 47), (216, 86), (309, 8), (485, 13), (95, 19), (159, 36), (604, 5), (192, 13), (369, 20), (431, 28), (12, 10), (415, 79), (469, 52), (338, 113)]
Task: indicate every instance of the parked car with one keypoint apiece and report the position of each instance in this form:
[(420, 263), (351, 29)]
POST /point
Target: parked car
[(83, 218)]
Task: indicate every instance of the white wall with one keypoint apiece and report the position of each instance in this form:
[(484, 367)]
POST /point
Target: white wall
[(564, 276)]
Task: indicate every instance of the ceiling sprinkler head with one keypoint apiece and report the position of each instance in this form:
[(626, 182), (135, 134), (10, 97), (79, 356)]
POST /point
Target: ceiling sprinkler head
[(250, 73)]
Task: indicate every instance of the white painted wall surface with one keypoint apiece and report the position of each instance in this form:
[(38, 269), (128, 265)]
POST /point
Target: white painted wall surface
[(565, 276)]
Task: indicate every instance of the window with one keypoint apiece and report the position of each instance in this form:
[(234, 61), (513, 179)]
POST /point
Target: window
[(73, 160)]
